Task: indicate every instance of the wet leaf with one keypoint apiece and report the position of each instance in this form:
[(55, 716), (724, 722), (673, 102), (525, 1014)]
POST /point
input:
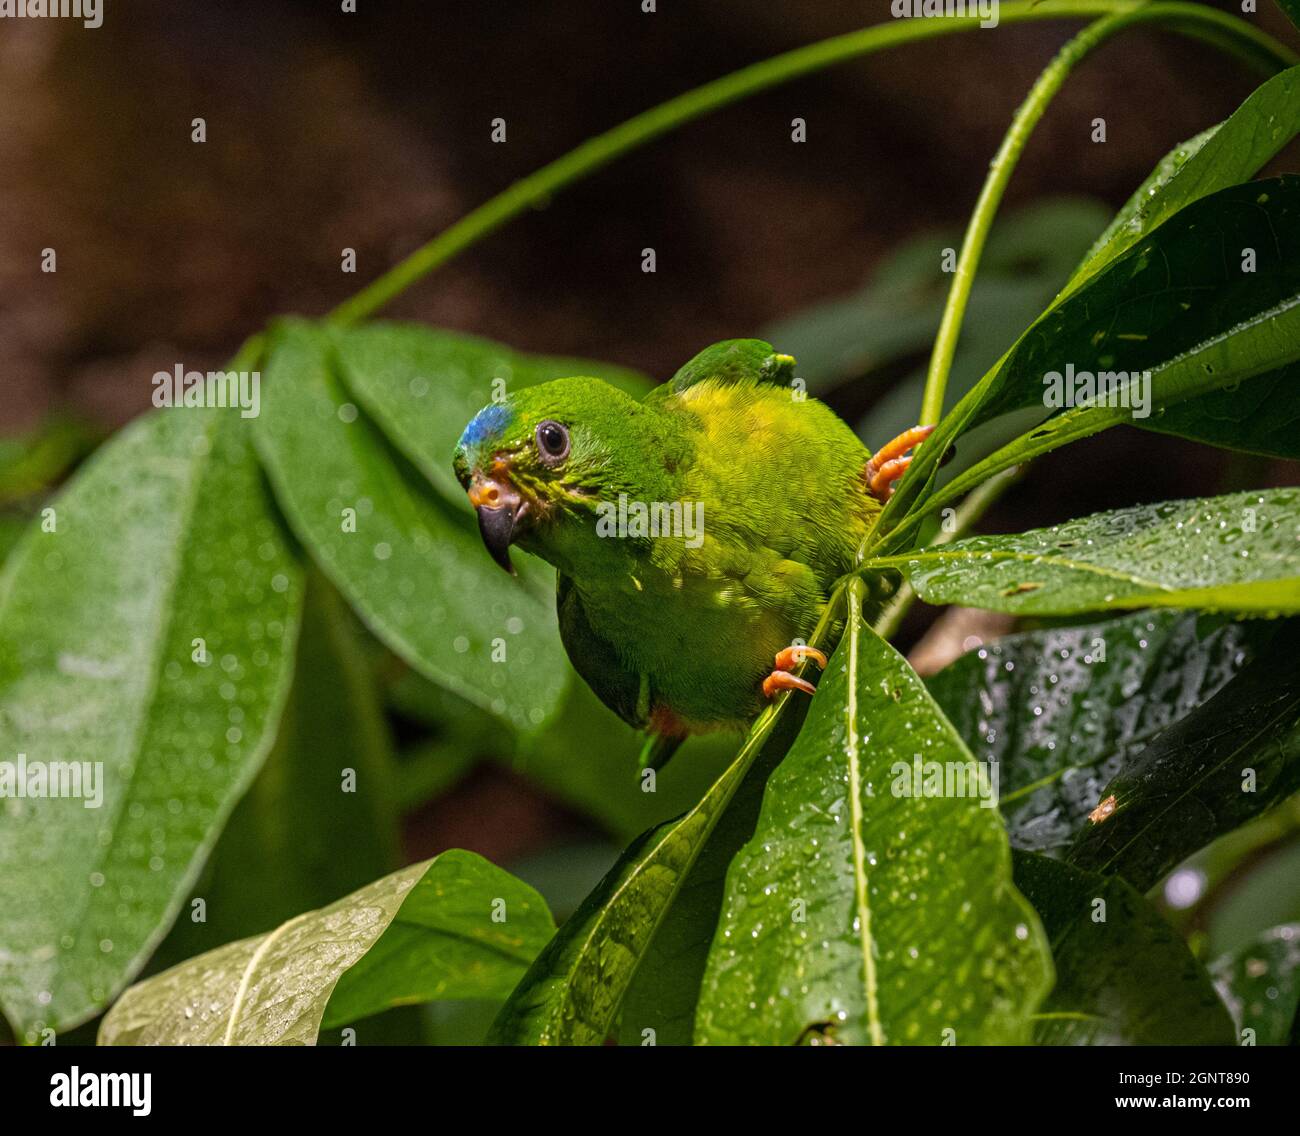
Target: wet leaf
[(1063, 710), (424, 933), (665, 989), (1262, 416), (1225, 762), (1259, 412), (1260, 984), (1123, 975), (1238, 554), (1225, 155), (858, 915), (324, 786), (151, 631), (572, 994), (468, 930), (415, 572)]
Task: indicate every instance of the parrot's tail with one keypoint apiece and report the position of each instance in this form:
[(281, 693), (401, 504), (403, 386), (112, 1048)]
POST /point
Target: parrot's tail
[(658, 750)]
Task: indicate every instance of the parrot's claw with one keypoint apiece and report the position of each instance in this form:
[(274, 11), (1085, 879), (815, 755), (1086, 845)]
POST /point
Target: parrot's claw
[(791, 657), (778, 681), (781, 678), (889, 463)]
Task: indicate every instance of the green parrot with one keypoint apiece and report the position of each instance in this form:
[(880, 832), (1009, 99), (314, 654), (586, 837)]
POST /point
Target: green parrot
[(696, 533)]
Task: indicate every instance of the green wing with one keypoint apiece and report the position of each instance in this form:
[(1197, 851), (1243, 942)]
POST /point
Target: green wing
[(599, 666), (732, 361), (595, 659)]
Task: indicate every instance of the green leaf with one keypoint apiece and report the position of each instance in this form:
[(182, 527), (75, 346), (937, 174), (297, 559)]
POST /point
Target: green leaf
[(1238, 554), (1170, 265), (1260, 984), (415, 572), (1178, 395), (422, 933), (1225, 155), (279, 854), (422, 386), (467, 930), (12, 527), (1292, 10), (572, 993), (1227, 761), (1063, 710), (857, 914), (1154, 201), (1263, 416), (164, 552), (1123, 975), (1178, 304), (665, 989)]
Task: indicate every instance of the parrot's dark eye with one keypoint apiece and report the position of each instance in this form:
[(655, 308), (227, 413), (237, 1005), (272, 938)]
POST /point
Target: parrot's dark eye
[(552, 442)]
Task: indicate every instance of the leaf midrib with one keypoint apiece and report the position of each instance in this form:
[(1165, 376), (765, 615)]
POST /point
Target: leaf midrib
[(861, 897)]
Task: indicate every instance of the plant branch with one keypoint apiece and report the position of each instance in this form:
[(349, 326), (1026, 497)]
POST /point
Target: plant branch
[(537, 189), (1224, 31)]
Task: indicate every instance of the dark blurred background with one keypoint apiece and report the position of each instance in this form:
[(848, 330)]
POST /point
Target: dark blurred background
[(328, 130), (372, 130)]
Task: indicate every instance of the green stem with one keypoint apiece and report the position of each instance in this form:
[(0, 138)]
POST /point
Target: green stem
[(535, 190), (966, 516), (1205, 24)]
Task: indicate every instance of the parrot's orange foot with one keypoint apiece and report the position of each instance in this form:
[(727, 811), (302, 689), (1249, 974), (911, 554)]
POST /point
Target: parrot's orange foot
[(888, 463), (778, 681), (781, 678), (792, 656)]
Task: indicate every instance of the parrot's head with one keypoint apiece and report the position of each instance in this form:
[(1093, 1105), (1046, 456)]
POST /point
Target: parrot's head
[(538, 464)]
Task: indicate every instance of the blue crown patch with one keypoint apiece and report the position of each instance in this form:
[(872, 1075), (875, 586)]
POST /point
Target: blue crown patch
[(487, 423)]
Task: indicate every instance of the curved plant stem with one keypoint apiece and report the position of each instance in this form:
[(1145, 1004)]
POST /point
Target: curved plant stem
[(1221, 31), (1191, 19)]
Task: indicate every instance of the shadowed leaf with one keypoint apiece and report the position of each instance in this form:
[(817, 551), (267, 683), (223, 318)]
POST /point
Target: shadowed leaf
[(1123, 975), (1063, 710), (1227, 761)]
